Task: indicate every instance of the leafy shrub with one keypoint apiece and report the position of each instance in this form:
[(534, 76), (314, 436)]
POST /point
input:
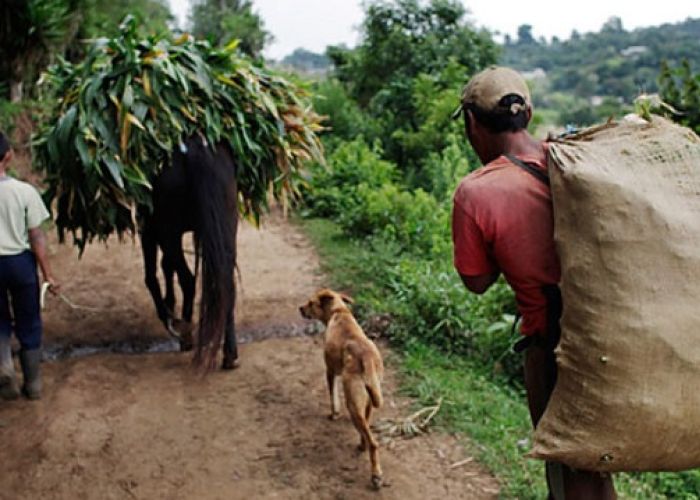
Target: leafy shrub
[(676, 485), (333, 190), (680, 88), (431, 305), (403, 43), (9, 112), (442, 172), (344, 118), (412, 219), (435, 98)]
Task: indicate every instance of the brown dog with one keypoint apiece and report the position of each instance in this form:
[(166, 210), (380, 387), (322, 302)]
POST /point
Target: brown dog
[(349, 354)]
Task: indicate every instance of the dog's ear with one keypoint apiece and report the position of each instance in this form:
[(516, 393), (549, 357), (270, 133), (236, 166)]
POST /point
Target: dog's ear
[(325, 297), (347, 299)]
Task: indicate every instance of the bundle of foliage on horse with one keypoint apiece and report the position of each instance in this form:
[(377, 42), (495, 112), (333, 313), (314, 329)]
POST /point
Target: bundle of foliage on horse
[(165, 136)]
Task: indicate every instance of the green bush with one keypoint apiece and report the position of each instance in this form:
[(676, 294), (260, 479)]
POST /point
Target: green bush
[(680, 87), (360, 191), (410, 218), (430, 305), (344, 118), (333, 190), (676, 485), (10, 111), (443, 171)]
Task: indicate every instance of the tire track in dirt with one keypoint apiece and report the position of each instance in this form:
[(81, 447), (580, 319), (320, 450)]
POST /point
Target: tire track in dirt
[(143, 426)]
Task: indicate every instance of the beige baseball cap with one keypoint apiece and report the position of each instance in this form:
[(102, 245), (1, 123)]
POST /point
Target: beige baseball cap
[(486, 89)]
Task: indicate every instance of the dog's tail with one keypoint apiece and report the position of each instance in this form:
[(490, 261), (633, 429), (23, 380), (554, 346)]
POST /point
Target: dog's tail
[(370, 373)]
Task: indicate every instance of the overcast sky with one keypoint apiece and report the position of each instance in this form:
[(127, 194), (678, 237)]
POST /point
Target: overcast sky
[(315, 24)]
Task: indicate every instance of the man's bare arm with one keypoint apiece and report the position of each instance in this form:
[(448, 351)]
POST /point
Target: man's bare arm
[(37, 241)]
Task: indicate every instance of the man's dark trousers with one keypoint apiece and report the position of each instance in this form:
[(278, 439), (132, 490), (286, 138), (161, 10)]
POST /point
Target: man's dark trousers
[(19, 299)]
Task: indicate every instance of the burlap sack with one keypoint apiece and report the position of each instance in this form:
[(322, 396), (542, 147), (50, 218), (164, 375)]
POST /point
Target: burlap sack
[(627, 228)]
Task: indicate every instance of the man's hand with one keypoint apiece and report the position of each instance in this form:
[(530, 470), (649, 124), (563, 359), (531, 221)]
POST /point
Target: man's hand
[(54, 286)]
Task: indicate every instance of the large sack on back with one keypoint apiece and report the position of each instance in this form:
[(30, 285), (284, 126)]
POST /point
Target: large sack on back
[(627, 228)]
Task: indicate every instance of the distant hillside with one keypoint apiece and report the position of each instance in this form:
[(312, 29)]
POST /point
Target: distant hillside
[(583, 79), (591, 76), (613, 62), (305, 61)]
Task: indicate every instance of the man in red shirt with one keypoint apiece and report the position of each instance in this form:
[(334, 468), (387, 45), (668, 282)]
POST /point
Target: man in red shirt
[(502, 224)]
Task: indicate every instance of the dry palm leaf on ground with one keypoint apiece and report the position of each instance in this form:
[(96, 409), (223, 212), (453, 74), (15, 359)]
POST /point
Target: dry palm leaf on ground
[(415, 424)]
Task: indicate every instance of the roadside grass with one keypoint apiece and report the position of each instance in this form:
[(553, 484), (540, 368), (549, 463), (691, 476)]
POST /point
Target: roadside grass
[(491, 417), (489, 414)]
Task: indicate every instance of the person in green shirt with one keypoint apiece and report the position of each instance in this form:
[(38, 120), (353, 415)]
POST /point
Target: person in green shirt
[(22, 246)]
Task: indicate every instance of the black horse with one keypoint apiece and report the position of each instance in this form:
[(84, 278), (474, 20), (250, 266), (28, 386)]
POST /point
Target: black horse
[(197, 192)]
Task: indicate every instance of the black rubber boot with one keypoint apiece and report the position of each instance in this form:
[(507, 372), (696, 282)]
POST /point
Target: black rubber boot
[(31, 368), (8, 377)]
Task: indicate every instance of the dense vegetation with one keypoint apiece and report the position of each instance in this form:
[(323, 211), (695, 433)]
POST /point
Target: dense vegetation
[(680, 88), (394, 158)]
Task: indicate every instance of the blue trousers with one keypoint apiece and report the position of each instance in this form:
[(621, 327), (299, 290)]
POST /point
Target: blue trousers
[(19, 299)]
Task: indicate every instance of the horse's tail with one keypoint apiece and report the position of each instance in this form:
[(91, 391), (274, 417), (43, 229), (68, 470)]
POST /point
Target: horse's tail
[(212, 176)]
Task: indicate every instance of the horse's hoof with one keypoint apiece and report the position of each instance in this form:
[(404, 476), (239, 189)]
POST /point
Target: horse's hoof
[(377, 482), (334, 416), (230, 364), (362, 447), (170, 326)]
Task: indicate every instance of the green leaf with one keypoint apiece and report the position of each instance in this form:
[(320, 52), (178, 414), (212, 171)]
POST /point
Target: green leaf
[(65, 125), (115, 168), (83, 151), (128, 98)]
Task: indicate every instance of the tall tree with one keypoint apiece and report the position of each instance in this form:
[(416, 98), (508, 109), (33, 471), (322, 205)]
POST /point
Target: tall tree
[(31, 33), (224, 20), (525, 34), (402, 40), (102, 18), (34, 32)]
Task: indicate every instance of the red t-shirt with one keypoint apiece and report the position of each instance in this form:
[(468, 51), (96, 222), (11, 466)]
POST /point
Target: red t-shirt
[(502, 221)]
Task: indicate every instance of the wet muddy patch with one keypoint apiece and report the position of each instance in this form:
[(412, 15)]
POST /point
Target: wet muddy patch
[(246, 335)]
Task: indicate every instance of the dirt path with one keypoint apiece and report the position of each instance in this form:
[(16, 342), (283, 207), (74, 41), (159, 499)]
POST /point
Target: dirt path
[(115, 426)]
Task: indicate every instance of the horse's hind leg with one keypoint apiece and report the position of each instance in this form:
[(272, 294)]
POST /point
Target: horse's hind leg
[(186, 279), (175, 257), (169, 275), (149, 248), (230, 361)]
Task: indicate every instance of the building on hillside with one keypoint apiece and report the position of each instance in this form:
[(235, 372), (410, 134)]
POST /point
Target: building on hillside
[(634, 50)]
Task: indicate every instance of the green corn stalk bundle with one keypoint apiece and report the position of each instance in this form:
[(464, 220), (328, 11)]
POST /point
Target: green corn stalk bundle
[(130, 103)]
